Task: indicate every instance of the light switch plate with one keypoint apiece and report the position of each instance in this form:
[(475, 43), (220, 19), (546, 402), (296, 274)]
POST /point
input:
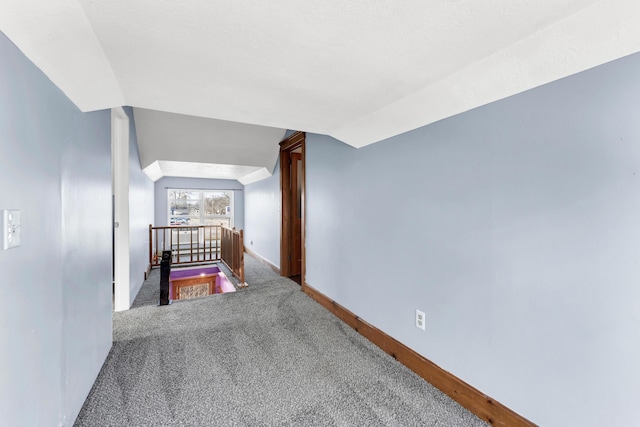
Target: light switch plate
[(10, 228)]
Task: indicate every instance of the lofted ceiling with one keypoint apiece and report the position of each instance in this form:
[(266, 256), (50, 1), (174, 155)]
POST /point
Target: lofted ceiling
[(179, 145), (215, 84)]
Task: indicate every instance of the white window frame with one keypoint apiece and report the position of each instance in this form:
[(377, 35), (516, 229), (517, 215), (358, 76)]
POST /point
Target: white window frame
[(202, 217)]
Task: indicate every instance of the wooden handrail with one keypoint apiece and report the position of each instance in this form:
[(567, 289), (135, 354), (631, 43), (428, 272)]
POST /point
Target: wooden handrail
[(199, 243), (233, 252), (189, 243)]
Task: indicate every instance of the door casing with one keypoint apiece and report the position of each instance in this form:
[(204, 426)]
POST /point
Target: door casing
[(295, 142)]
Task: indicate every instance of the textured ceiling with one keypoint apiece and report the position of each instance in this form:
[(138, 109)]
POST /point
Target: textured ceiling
[(359, 71)]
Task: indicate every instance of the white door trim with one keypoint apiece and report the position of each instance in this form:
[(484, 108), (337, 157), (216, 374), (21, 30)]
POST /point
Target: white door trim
[(120, 178)]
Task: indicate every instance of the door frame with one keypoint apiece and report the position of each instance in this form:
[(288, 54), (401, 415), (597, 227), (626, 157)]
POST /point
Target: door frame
[(287, 146), (120, 186)]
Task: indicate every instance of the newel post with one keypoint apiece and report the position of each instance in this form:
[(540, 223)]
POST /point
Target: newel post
[(165, 271)]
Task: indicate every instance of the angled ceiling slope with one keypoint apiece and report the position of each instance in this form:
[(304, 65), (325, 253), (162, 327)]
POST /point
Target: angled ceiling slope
[(359, 71), (179, 145)]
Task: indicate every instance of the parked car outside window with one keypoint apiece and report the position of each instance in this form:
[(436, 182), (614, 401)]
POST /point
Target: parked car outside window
[(179, 221)]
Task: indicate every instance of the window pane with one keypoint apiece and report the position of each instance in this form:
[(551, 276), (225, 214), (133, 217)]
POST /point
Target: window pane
[(216, 203), (184, 203), (184, 195), (217, 221)]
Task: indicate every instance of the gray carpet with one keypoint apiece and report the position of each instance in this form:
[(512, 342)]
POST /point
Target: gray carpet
[(266, 355)]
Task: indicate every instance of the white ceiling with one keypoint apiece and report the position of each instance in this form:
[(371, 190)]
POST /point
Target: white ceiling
[(358, 71)]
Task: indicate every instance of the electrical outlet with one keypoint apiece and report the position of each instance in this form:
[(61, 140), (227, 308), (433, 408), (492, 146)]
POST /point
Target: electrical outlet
[(10, 228), (420, 320)]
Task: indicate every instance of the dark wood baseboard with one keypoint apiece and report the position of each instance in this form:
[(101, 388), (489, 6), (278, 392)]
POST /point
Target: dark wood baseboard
[(262, 260), (469, 397)]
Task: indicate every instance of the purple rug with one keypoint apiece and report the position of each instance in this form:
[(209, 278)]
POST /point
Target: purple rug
[(223, 284)]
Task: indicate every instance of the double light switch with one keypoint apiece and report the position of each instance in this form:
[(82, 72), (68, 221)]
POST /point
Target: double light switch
[(10, 228)]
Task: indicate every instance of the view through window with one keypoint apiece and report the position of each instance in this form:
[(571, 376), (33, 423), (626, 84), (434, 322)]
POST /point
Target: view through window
[(200, 207)]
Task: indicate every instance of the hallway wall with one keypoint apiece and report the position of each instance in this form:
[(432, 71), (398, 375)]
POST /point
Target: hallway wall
[(55, 324), (262, 216), (514, 227)]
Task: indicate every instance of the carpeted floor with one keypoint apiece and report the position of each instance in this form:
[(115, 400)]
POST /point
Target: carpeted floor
[(266, 355)]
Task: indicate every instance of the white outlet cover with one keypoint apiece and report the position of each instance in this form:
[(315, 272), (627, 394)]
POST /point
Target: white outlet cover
[(10, 228), (420, 320)]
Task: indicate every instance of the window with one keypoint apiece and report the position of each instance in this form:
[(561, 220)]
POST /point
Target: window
[(200, 207)]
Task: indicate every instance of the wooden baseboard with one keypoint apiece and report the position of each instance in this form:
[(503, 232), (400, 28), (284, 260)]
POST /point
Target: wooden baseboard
[(469, 397), (262, 260), (147, 272)]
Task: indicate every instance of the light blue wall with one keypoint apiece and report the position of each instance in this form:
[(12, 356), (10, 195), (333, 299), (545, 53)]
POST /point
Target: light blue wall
[(55, 323), (262, 217), (513, 226), (163, 184), (141, 212)]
